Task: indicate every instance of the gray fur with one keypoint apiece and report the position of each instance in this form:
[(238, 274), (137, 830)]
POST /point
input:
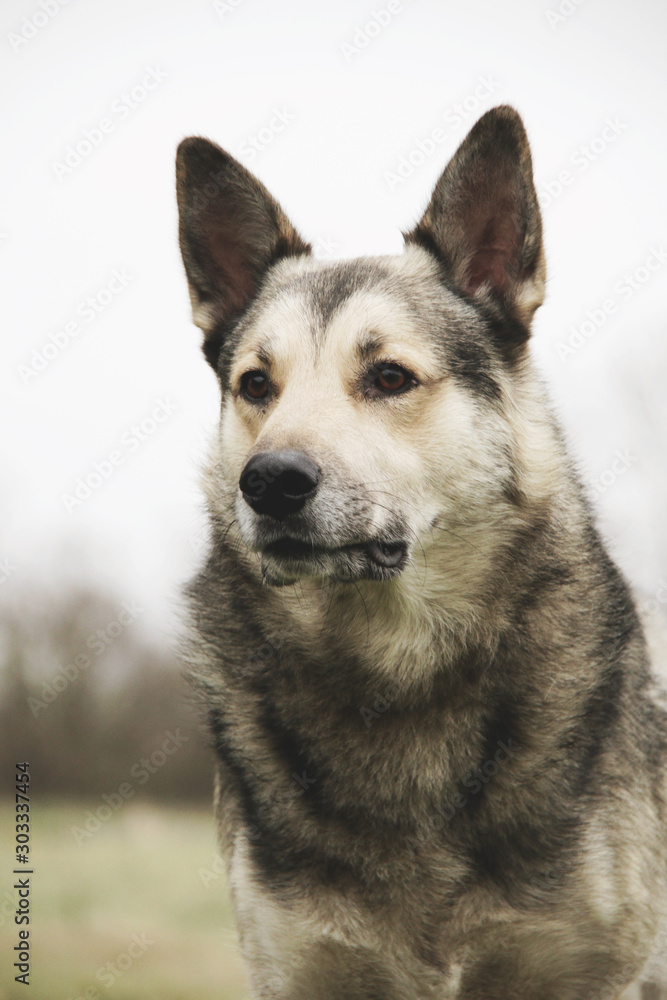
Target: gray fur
[(443, 778)]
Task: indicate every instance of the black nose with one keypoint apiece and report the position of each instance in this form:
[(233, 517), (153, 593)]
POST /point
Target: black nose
[(279, 482)]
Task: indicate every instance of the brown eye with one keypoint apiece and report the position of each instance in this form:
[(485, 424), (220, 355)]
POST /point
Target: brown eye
[(392, 379), (254, 385)]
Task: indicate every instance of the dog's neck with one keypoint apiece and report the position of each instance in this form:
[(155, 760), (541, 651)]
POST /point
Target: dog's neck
[(450, 600)]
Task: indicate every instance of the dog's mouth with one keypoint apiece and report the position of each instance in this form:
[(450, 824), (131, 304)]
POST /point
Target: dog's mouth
[(285, 560), (387, 554)]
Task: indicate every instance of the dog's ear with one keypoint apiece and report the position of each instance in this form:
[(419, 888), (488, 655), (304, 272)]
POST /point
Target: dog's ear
[(231, 231), (483, 221)]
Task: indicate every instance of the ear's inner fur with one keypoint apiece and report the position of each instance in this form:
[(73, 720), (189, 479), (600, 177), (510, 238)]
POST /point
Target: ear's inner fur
[(231, 231), (495, 238), (483, 221)]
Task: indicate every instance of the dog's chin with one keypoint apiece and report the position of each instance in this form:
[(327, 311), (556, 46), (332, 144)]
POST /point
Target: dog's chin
[(288, 560)]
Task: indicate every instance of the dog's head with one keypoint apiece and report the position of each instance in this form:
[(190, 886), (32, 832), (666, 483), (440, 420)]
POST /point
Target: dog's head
[(366, 404)]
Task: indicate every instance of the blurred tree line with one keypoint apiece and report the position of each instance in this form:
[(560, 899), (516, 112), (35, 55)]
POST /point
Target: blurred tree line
[(87, 695)]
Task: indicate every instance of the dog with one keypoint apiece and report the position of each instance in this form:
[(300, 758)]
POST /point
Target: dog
[(440, 752)]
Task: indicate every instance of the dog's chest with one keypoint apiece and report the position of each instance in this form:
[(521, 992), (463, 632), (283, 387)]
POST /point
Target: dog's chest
[(421, 940)]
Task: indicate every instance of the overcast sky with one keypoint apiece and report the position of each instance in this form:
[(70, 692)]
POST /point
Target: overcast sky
[(348, 112)]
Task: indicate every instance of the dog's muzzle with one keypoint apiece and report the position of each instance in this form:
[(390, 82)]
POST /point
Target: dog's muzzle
[(277, 486)]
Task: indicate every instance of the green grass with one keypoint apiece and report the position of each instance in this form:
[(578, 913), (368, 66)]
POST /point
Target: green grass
[(138, 874)]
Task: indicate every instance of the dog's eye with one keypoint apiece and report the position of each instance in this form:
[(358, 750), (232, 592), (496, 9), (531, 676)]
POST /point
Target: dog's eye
[(391, 378), (254, 385), (386, 379)]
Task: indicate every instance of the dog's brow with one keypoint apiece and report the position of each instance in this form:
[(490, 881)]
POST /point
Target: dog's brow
[(371, 345), (264, 355)]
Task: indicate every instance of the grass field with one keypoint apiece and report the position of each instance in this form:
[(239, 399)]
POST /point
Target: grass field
[(141, 874)]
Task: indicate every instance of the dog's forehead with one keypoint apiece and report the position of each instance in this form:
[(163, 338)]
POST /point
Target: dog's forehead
[(325, 286), (351, 302)]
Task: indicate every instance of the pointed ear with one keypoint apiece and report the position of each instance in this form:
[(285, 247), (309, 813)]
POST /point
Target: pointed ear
[(483, 221), (231, 231)]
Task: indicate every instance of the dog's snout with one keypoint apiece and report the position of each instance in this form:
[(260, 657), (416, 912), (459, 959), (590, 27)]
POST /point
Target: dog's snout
[(278, 483)]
